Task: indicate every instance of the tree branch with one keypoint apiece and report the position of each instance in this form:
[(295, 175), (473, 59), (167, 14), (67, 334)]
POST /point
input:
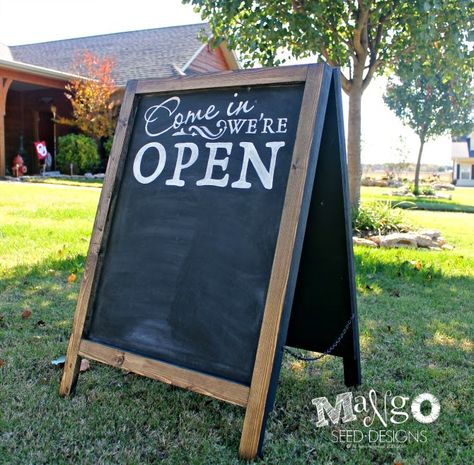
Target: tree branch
[(360, 32), (370, 73), (345, 83), (327, 57), (374, 44)]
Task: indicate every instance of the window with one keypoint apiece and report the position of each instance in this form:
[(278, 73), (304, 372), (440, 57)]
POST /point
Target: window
[(465, 171)]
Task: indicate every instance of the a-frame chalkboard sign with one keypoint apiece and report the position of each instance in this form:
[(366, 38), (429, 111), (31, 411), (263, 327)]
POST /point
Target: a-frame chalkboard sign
[(222, 235)]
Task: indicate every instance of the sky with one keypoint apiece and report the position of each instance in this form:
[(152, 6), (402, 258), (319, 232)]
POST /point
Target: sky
[(384, 138)]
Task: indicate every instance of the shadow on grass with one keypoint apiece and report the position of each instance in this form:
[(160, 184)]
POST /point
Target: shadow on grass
[(416, 336), (115, 417), (48, 289), (413, 319), (43, 269), (428, 305)]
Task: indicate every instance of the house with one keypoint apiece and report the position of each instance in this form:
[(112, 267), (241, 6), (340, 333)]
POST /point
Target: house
[(32, 78), (462, 154)]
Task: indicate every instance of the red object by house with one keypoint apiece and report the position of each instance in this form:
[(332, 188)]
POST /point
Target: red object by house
[(18, 166), (41, 150)]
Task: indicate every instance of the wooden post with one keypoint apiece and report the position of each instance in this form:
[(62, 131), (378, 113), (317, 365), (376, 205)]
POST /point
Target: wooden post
[(4, 86), (262, 373), (73, 360)]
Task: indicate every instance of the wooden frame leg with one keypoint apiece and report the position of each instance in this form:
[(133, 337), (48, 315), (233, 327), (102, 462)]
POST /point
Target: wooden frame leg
[(254, 423), (71, 371), (73, 360), (252, 430)]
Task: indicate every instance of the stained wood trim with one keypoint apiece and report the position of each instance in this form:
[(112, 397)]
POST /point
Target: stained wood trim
[(212, 386), (71, 366), (262, 373), (34, 79), (229, 56), (5, 83), (253, 77)]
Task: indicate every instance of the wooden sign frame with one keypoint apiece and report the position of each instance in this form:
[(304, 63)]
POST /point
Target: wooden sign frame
[(258, 398)]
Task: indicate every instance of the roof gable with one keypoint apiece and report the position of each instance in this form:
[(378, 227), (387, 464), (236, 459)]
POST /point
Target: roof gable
[(137, 54)]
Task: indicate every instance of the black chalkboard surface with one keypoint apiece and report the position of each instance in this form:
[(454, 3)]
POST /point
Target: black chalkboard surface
[(187, 269), (206, 258)]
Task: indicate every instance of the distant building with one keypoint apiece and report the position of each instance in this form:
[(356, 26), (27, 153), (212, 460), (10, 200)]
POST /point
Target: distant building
[(463, 160), (32, 78)]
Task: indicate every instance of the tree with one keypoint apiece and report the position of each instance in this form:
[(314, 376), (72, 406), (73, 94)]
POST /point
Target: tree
[(91, 98), (363, 37), (431, 99), (401, 155)]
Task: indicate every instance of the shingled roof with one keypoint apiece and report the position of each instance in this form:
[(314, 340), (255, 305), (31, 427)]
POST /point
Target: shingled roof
[(141, 54)]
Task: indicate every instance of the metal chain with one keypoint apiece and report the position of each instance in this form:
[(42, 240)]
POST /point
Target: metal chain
[(326, 352)]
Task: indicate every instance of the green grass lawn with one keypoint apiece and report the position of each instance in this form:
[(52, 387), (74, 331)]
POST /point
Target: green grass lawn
[(416, 329), (462, 199)]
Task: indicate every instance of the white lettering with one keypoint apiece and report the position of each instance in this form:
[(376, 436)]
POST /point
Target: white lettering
[(252, 126), (251, 154), (416, 408), (396, 412), (241, 107), (343, 402), (208, 180), (170, 105), (138, 161), (175, 180), (267, 125), (360, 405), (368, 421), (282, 125), (235, 125)]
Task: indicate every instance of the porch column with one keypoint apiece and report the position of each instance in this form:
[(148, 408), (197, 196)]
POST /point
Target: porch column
[(4, 86)]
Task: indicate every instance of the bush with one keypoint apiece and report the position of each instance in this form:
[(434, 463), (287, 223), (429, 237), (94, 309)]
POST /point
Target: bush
[(378, 218), (108, 146), (427, 190), (78, 150)]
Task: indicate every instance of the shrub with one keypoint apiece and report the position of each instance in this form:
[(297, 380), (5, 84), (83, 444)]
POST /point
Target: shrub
[(378, 218), (108, 146), (427, 190), (78, 150)]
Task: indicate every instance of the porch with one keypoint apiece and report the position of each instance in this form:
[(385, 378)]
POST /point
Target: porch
[(463, 173), (31, 98)]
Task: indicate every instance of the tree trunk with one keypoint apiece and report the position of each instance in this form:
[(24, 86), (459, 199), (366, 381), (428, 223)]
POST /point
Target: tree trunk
[(416, 187), (353, 142)]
